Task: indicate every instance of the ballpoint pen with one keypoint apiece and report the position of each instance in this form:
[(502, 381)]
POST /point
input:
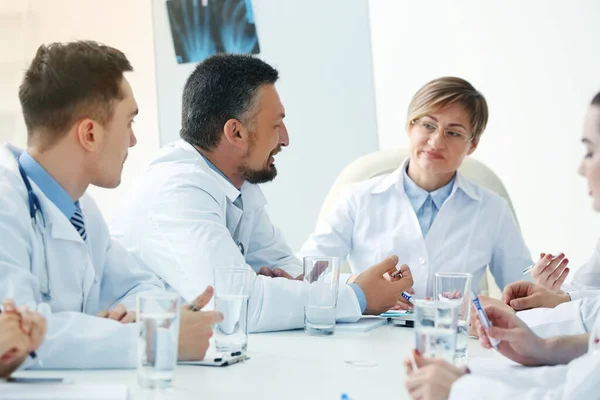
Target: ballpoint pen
[(483, 318)]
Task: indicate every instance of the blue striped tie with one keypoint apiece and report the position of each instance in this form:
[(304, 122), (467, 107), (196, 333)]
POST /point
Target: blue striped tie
[(77, 221)]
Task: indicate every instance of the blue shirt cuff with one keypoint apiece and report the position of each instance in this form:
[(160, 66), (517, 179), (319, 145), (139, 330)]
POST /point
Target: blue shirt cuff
[(360, 296)]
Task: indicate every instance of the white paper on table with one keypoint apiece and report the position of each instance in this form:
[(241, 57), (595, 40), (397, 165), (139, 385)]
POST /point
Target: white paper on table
[(362, 325), (56, 391)]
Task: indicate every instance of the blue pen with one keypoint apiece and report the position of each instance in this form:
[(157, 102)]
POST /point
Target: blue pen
[(483, 318), (408, 297)]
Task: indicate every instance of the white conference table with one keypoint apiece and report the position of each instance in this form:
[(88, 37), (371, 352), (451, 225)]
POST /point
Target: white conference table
[(290, 365)]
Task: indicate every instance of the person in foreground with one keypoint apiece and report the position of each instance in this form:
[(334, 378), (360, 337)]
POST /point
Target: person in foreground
[(573, 308), (426, 211), (21, 332), (55, 248), (199, 207), (568, 364)]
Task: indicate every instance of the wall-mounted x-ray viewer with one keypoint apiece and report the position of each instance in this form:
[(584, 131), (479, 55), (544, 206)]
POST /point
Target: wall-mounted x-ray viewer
[(201, 28)]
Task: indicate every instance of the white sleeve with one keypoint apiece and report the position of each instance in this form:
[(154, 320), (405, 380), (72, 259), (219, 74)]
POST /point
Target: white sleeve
[(80, 341), (510, 254), (187, 237), (333, 235), (582, 293), (570, 318), (123, 279), (575, 381), (470, 387), (268, 247), (518, 375), (73, 340), (588, 275)]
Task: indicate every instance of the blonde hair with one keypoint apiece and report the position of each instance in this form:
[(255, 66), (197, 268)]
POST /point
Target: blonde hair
[(443, 92)]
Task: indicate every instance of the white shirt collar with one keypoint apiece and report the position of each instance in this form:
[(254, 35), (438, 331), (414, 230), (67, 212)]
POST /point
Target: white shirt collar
[(230, 191), (396, 179)]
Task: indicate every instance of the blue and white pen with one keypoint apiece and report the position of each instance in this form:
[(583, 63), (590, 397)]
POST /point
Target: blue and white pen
[(408, 297), (483, 318)]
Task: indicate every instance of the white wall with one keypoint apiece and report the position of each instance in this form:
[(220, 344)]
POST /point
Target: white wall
[(322, 51), (126, 25), (538, 64)]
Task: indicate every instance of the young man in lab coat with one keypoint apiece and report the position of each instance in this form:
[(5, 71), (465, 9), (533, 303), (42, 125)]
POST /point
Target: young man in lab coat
[(55, 248), (199, 207)]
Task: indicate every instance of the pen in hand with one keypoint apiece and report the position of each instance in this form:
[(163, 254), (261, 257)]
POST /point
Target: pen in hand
[(397, 275)]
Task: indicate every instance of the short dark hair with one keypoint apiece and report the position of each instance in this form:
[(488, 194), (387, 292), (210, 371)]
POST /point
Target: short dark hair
[(596, 100), (222, 87), (69, 81)]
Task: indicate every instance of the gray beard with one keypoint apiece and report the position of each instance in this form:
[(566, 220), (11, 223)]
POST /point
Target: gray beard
[(258, 176)]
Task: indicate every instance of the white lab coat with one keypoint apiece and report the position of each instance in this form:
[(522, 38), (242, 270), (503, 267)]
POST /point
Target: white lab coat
[(570, 318), (473, 228), (181, 221), (84, 277), (492, 380)]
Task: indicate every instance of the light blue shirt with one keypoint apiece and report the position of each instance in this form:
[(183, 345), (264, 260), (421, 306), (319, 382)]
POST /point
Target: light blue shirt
[(53, 191), (426, 204)]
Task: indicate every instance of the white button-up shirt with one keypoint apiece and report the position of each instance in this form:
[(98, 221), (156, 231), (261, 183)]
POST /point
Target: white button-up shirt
[(374, 219), (182, 223)]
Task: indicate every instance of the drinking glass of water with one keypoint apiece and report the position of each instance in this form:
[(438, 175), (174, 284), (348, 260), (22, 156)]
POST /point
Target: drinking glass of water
[(158, 329), (322, 275), (232, 292), (455, 288), (435, 328)]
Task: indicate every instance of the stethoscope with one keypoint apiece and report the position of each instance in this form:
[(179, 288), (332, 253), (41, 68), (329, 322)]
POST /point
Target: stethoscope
[(38, 221)]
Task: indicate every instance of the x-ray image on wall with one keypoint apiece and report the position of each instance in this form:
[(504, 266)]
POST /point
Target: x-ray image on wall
[(201, 28)]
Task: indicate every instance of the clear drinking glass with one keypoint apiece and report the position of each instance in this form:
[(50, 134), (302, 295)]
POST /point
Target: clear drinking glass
[(232, 293), (322, 274), (435, 328), (158, 327), (455, 288)]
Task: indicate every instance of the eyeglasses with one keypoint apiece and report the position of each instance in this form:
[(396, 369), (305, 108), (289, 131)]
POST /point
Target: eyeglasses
[(426, 127)]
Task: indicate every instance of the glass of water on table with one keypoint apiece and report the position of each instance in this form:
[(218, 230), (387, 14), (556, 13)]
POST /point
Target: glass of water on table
[(158, 339), (455, 288), (436, 328), (232, 294), (322, 276)]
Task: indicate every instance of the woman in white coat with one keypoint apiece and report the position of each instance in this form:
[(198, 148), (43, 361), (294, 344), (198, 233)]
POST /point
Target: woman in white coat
[(426, 212), (575, 358)]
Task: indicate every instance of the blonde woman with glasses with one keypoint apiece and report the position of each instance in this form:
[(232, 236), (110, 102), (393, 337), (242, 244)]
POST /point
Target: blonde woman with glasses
[(426, 212)]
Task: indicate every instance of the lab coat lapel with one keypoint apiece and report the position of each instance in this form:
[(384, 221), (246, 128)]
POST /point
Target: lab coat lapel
[(233, 219)]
